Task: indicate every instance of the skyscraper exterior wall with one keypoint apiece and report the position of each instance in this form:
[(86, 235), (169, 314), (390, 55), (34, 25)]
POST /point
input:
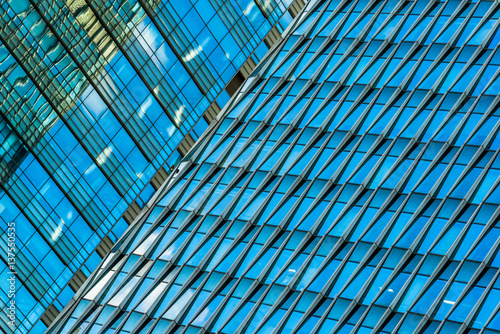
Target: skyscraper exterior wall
[(351, 185), (99, 101)]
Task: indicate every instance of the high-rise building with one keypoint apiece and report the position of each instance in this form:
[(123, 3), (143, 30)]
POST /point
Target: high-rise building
[(350, 186), (99, 101)]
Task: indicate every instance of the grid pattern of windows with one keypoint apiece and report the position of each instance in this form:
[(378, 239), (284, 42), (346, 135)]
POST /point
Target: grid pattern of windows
[(95, 98), (352, 185)]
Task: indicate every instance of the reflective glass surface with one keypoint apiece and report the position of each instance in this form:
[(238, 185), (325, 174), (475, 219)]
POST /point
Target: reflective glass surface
[(351, 186), (96, 97)]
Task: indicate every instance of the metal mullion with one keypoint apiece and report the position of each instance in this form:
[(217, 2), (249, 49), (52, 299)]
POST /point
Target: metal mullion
[(435, 162), (469, 285), (154, 307), (245, 252), (330, 282), (189, 303), (153, 285), (403, 291), (84, 289), (134, 271), (381, 49), (184, 288), (230, 12), (490, 318), (477, 308), (64, 260), (441, 55), (489, 224), (227, 190), (369, 281), (428, 223), (151, 72), (45, 168), (394, 274), (467, 169), (172, 181), (298, 251), (262, 144), (213, 318), (226, 298), (185, 244), (456, 243), (169, 43), (135, 53), (129, 236), (28, 287), (231, 136), (179, 231), (91, 321), (138, 127), (266, 247), (209, 233), (79, 65), (6, 190), (92, 82), (28, 73), (68, 180)]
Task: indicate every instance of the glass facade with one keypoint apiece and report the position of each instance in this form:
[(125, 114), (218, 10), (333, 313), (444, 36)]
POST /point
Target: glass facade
[(351, 186), (95, 99)]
